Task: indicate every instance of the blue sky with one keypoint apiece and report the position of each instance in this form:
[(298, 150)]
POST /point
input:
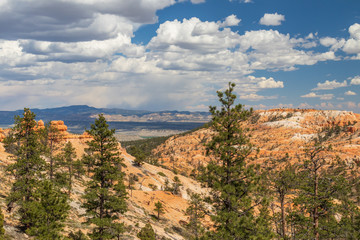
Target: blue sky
[(175, 54)]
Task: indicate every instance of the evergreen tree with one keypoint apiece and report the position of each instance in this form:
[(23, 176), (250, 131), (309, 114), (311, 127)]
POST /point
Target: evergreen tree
[(51, 138), (2, 230), (159, 208), (196, 212), (138, 154), (105, 193), (68, 160), (232, 180), (324, 193), (281, 181), (147, 233), (47, 212), (28, 165), (79, 235)]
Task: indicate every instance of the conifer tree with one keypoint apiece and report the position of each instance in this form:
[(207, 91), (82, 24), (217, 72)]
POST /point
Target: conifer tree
[(68, 160), (79, 235), (28, 165), (159, 208), (324, 193), (147, 233), (48, 211), (196, 212), (280, 178), (105, 193), (51, 139), (232, 179), (2, 230)]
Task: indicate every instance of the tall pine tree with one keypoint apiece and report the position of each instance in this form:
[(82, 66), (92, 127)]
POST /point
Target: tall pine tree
[(28, 167), (41, 206), (105, 194), (232, 180), (2, 230)]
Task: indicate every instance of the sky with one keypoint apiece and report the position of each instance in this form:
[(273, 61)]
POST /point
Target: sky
[(175, 54)]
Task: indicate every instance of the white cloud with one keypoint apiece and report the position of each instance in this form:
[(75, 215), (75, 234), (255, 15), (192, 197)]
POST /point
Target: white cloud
[(328, 85), (272, 19), (305, 105), (231, 20), (270, 83), (325, 106), (255, 97), (333, 43), (350, 93), (352, 45), (321, 96), (197, 1), (355, 80)]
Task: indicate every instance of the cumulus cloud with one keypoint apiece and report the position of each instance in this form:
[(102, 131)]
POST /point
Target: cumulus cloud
[(350, 93), (262, 82), (355, 80), (321, 96), (325, 106), (305, 105), (255, 97), (231, 20), (272, 19), (328, 85), (81, 52), (78, 20), (352, 45), (333, 43), (197, 1)]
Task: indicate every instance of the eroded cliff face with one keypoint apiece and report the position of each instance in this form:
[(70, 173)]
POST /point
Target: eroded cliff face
[(148, 187), (275, 134)]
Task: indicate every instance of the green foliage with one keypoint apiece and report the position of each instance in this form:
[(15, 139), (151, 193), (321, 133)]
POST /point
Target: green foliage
[(161, 174), (147, 233), (280, 179), (51, 138), (105, 193), (196, 212), (67, 157), (159, 208), (2, 230), (28, 167), (138, 154), (176, 185), (48, 212), (233, 181), (79, 235), (324, 192)]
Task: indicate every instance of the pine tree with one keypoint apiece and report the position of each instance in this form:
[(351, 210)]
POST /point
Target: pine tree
[(280, 178), (47, 212), (138, 154), (232, 180), (79, 235), (105, 193), (147, 233), (68, 161), (324, 193), (51, 139), (159, 208), (28, 165), (2, 230), (196, 212)]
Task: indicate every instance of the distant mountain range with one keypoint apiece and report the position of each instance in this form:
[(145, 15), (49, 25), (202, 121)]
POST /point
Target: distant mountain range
[(84, 112), (78, 117)]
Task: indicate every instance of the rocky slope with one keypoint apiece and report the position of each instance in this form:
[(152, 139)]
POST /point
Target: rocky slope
[(147, 190), (275, 133)]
